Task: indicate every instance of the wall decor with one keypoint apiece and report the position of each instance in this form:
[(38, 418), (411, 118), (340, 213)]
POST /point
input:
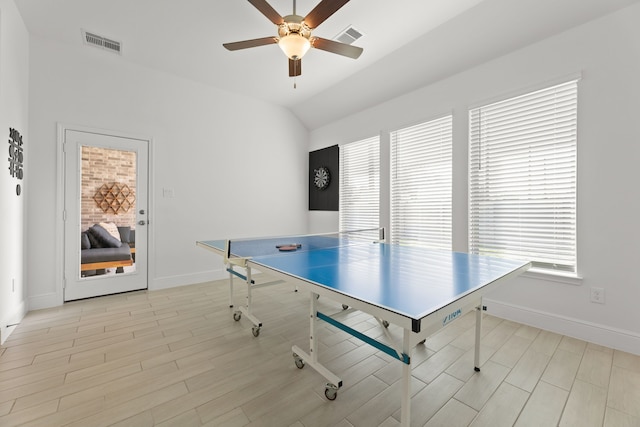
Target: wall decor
[(321, 177), (324, 178), (16, 157), (115, 197)]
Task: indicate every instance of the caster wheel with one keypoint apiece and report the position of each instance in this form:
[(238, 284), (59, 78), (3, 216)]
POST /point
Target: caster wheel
[(237, 315), (385, 324), (255, 331), (330, 393), (299, 362), (345, 306), (422, 342)]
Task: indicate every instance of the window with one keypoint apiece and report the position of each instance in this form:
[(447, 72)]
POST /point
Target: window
[(360, 185), (523, 178), (421, 174)]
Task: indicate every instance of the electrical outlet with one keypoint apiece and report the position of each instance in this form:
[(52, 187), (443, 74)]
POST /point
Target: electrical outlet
[(597, 295)]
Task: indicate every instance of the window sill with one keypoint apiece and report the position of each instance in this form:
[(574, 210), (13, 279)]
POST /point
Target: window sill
[(552, 276)]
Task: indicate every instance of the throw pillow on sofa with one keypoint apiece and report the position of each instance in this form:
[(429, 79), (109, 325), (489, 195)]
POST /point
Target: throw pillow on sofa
[(104, 238), (111, 228), (93, 242)]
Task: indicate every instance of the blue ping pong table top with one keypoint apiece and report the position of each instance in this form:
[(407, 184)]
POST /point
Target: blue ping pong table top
[(408, 280)]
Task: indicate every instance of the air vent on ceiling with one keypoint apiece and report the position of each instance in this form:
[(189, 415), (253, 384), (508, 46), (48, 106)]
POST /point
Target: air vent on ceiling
[(93, 39), (348, 36)]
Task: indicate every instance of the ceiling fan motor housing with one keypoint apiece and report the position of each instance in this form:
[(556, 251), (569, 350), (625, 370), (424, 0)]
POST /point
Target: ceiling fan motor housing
[(293, 24)]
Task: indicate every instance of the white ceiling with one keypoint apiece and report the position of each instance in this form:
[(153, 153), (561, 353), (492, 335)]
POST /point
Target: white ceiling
[(407, 43)]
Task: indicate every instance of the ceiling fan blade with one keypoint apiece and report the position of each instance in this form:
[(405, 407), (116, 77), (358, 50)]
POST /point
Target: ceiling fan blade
[(295, 67), (245, 44), (322, 11), (268, 11), (336, 47)]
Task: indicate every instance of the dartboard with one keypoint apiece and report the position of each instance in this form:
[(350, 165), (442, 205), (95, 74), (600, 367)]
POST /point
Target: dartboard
[(321, 178)]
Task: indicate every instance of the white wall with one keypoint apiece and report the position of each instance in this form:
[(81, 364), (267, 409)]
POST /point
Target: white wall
[(14, 77), (237, 166), (607, 54)]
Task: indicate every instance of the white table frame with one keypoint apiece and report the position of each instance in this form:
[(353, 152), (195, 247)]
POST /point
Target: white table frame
[(413, 334)]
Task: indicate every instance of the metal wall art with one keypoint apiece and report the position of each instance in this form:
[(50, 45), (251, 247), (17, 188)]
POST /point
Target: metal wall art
[(16, 157)]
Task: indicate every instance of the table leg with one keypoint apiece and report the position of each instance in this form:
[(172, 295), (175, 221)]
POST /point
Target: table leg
[(405, 412), (248, 281), (313, 342), (301, 357), (230, 286), (246, 310), (476, 360)]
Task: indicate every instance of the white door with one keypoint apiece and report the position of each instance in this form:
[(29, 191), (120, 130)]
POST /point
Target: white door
[(106, 183)]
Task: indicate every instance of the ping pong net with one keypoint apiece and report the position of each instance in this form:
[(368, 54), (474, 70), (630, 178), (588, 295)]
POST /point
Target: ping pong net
[(267, 246)]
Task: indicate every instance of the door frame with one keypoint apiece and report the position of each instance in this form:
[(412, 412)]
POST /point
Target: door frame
[(62, 128)]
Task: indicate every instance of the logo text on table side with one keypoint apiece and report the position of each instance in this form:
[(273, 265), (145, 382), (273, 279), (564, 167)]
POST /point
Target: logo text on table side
[(448, 318)]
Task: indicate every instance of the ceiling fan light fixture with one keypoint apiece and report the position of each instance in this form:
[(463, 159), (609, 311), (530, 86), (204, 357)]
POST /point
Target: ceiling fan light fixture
[(294, 33), (294, 45)]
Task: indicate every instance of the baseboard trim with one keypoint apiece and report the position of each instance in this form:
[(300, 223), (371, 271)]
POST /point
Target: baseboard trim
[(187, 279), (53, 299), (618, 339), (38, 302), (13, 319)]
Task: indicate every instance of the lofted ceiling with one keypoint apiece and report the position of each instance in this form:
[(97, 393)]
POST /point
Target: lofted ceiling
[(407, 43)]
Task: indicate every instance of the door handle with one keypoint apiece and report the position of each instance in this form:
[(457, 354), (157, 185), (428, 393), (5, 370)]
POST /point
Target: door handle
[(141, 222)]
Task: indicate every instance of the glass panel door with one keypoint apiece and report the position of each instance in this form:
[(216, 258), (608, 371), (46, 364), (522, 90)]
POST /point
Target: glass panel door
[(106, 214)]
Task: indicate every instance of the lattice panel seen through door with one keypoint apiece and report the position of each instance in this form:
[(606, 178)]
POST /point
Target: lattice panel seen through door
[(114, 198)]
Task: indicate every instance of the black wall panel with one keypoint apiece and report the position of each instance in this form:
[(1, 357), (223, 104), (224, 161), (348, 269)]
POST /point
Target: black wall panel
[(324, 199)]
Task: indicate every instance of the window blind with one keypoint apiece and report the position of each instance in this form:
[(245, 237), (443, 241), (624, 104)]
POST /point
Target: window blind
[(523, 178), (360, 185), (421, 182)]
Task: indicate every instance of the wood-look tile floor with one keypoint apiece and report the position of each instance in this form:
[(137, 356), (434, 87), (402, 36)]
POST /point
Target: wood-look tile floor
[(177, 358)]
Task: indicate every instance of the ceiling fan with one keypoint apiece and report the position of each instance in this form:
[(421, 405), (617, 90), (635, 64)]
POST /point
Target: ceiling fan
[(294, 33)]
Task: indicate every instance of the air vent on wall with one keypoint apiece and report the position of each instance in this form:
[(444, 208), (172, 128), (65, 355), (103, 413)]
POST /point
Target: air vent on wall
[(93, 39), (348, 36)]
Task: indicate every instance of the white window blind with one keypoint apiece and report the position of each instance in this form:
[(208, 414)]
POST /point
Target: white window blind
[(360, 185), (523, 178), (421, 181)]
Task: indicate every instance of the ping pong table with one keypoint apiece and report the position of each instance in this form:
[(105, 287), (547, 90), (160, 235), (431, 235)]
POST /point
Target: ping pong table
[(418, 289)]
